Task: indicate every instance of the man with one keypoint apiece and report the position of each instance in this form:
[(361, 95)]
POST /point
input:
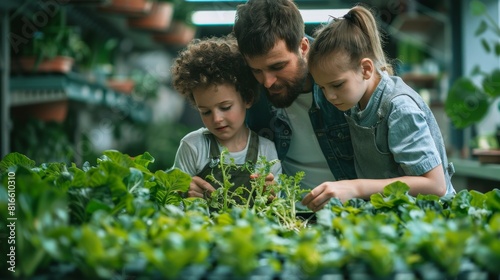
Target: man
[(310, 134)]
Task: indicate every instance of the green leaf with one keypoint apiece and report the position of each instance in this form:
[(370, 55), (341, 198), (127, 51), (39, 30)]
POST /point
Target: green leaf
[(461, 203), (478, 199), (56, 242), (429, 202), (397, 189), (118, 158), (486, 45), (120, 194), (393, 195), (115, 169), (14, 159), (79, 176), (493, 200), (169, 186), (491, 83), (477, 8), (476, 70), (95, 178), (466, 104), (483, 26), (174, 179), (135, 180), (95, 205), (144, 159)]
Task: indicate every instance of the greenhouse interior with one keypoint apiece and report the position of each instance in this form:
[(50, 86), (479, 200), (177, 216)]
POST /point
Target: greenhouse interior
[(152, 139)]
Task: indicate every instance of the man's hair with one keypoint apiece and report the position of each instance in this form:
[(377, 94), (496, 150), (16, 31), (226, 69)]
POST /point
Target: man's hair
[(213, 61), (259, 24)]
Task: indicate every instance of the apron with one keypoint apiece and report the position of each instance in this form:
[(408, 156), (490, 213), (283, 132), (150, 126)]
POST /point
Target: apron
[(239, 176), (364, 141), (365, 150)]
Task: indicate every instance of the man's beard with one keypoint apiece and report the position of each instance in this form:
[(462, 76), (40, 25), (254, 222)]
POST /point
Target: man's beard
[(293, 89)]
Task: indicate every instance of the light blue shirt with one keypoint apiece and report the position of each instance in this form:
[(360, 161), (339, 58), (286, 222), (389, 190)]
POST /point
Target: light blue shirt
[(396, 134)]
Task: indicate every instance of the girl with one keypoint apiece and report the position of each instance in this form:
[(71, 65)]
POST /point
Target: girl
[(394, 133), (212, 74)]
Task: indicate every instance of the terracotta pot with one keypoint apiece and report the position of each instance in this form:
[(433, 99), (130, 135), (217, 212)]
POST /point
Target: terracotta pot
[(158, 19), (487, 155), (89, 2), (179, 34), (128, 7), (123, 86), (45, 111), (58, 64)]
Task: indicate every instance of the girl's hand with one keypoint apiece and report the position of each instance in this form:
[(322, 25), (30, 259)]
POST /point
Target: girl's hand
[(320, 195)]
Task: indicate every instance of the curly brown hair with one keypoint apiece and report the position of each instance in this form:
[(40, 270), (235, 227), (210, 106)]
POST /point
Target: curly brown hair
[(213, 61)]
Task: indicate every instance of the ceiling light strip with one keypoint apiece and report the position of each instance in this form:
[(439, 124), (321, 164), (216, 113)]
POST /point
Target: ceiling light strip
[(226, 17)]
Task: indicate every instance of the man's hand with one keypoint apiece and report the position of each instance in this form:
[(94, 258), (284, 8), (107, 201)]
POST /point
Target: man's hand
[(199, 188)]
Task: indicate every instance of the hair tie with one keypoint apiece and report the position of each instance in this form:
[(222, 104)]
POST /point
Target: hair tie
[(348, 16)]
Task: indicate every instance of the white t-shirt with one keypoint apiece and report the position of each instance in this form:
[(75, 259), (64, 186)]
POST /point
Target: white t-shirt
[(193, 153), (305, 153)]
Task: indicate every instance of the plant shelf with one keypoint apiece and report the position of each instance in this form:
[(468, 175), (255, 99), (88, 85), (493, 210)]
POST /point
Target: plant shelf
[(475, 169), (32, 89), (487, 155)]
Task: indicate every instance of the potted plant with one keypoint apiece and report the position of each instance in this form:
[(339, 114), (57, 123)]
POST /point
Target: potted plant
[(146, 84), (158, 19), (128, 7), (53, 48), (468, 101), (182, 30), (103, 52), (43, 141), (121, 83)]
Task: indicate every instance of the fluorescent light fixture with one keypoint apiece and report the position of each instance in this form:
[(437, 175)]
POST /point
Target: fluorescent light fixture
[(220, 17), (226, 17), (320, 16), (211, 1)]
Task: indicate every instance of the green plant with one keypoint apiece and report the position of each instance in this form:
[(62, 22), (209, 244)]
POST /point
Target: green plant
[(468, 103), (43, 141), (146, 84), (103, 53), (183, 11), (273, 201), (57, 38), (131, 222)]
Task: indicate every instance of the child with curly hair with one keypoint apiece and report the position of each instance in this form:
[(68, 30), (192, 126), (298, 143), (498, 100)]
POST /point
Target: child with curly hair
[(212, 74)]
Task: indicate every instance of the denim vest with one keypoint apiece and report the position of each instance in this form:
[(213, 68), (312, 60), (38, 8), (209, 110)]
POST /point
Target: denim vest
[(329, 125)]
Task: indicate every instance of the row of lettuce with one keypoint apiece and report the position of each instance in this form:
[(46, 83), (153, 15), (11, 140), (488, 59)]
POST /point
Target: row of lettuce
[(118, 219)]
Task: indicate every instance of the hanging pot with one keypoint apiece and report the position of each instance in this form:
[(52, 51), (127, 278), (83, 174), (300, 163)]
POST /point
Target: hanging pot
[(45, 111), (128, 7), (58, 64), (158, 19), (179, 34)]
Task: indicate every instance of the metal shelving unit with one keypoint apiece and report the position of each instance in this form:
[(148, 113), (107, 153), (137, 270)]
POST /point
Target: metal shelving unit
[(25, 89), (5, 7)]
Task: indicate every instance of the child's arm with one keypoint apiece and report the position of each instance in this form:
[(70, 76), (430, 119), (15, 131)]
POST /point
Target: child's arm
[(432, 182)]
